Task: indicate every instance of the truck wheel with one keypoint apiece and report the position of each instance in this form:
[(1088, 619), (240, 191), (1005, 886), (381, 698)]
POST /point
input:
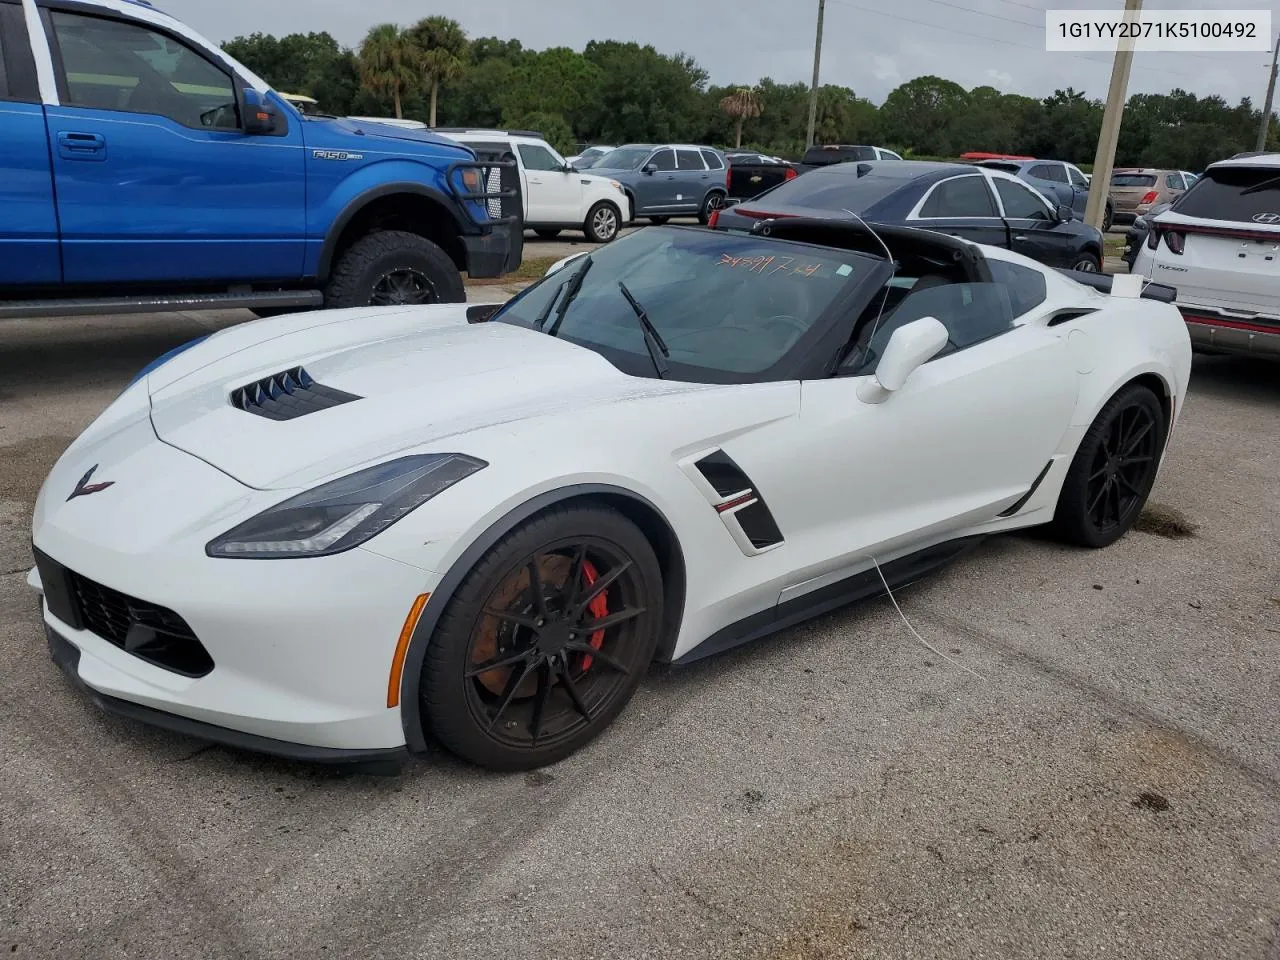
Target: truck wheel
[(602, 222), (393, 267), (1108, 216)]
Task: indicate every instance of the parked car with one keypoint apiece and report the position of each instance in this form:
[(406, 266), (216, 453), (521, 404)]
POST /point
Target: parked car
[(974, 202), (1136, 235), (817, 157), (589, 157), (334, 537), (1218, 245), (141, 168), (751, 174), (556, 195), (401, 122), (302, 103), (669, 179), (1135, 190), (1061, 182)]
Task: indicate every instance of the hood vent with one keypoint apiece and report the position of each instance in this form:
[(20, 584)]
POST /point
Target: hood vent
[(288, 395)]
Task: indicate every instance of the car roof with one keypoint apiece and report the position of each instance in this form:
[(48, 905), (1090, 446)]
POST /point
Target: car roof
[(895, 169), (1257, 160), (673, 146)]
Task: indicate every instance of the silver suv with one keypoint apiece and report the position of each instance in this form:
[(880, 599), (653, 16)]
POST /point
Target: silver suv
[(669, 179)]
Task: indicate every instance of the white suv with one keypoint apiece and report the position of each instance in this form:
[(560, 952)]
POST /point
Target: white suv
[(1220, 247), (556, 196)]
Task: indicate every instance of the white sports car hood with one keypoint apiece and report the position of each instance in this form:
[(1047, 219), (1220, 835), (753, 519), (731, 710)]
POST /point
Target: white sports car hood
[(422, 376)]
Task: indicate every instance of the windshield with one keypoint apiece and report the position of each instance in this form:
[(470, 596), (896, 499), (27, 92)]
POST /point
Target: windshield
[(1245, 194), (727, 306), (624, 158), (1133, 180)]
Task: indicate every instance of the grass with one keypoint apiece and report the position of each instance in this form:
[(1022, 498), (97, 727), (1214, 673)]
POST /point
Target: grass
[(532, 268), (1112, 246)]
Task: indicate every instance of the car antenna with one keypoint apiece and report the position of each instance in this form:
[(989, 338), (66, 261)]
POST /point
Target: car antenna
[(884, 298)]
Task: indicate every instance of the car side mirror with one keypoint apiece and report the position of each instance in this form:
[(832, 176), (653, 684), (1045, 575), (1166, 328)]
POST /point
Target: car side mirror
[(649, 168), (260, 117), (568, 168), (910, 346), (1064, 213)]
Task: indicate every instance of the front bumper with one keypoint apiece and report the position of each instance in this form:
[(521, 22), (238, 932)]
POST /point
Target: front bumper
[(496, 253)]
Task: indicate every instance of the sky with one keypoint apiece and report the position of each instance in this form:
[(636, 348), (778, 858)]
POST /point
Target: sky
[(870, 46)]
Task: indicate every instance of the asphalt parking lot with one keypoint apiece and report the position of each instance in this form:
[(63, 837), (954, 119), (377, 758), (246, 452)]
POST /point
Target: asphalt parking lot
[(1109, 787)]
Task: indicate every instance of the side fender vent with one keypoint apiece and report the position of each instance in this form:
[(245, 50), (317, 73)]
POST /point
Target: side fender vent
[(741, 505), (288, 395)]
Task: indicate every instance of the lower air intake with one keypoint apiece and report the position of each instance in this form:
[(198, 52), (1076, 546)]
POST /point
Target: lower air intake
[(287, 396)]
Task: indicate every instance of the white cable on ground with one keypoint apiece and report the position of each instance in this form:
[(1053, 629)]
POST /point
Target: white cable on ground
[(927, 645)]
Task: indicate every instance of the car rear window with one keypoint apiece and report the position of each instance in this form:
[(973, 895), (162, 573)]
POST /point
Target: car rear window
[(1133, 180), (824, 155), (836, 189), (1244, 194)]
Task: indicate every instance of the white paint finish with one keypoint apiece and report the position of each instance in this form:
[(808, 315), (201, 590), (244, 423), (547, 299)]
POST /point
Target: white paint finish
[(960, 440)]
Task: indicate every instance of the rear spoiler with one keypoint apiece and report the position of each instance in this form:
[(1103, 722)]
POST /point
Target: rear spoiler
[(1102, 283)]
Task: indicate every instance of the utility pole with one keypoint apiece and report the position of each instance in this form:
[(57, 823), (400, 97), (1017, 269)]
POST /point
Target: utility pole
[(817, 61), (1271, 92), (1105, 158)]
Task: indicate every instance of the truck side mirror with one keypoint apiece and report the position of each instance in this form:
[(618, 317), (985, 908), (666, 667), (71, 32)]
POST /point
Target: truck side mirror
[(260, 117)]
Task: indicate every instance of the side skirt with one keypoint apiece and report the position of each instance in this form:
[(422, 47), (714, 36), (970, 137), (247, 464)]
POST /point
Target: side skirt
[(860, 586)]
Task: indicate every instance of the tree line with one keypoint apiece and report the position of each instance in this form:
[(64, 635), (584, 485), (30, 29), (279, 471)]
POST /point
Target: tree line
[(614, 92)]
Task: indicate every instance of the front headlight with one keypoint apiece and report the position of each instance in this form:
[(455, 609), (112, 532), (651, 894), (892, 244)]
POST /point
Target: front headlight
[(344, 513)]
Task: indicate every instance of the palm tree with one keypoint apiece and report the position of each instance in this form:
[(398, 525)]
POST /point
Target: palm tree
[(742, 104), (443, 46), (390, 63)]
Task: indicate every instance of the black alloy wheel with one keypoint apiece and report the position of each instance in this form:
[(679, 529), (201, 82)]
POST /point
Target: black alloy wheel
[(545, 641), (403, 286), (1113, 471)]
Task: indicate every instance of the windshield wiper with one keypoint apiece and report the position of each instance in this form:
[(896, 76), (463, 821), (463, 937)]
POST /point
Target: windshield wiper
[(570, 291), (652, 340), (1258, 187)]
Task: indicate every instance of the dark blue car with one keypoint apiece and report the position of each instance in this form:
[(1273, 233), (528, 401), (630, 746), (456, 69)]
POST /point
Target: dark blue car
[(975, 203)]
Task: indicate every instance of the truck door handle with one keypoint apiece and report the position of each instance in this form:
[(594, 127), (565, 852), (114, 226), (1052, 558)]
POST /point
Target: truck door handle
[(82, 146)]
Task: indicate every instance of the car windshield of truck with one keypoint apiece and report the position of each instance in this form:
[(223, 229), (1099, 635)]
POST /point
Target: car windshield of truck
[(624, 158), (1133, 180), (1243, 194), (727, 307)]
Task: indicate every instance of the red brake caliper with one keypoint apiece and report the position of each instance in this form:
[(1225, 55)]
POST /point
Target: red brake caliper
[(599, 608)]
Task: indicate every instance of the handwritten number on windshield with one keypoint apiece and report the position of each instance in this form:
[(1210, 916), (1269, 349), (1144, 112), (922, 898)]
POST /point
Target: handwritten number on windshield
[(770, 265)]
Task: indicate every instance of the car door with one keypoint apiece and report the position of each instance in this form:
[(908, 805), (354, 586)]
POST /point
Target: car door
[(28, 220), (555, 194), (962, 206), (963, 440), (1034, 230), (693, 180), (1050, 178), (656, 189), (155, 179), (1080, 189)]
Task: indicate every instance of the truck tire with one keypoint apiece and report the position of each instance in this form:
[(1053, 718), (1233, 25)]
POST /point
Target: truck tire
[(393, 267)]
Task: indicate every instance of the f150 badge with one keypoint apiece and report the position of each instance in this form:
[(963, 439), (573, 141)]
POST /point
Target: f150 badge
[(336, 155)]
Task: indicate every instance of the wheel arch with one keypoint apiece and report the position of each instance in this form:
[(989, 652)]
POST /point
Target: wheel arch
[(656, 528), (393, 206)]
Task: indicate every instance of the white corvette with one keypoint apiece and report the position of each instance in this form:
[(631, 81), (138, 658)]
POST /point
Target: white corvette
[(333, 535)]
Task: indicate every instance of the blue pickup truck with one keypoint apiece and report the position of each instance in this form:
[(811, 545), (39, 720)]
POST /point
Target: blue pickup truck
[(141, 168)]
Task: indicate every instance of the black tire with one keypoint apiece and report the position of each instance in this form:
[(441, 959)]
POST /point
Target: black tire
[(714, 201), (1087, 263), (1113, 470), (1108, 217), (603, 222), (481, 717), (659, 221), (547, 234), (367, 271)]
